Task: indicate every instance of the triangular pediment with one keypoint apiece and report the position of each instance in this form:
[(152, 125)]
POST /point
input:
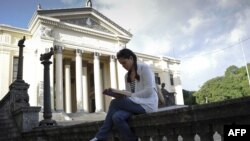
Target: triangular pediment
[(87, 18), (87, 21)]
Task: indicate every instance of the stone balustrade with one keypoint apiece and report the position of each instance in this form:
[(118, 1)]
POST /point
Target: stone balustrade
[(199, 122), (14, 122)]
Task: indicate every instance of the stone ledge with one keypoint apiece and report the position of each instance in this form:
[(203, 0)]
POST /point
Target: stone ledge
[(26, 118), (203, 120)]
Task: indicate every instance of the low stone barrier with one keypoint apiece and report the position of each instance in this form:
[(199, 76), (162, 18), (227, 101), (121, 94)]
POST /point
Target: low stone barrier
[(188, 123)]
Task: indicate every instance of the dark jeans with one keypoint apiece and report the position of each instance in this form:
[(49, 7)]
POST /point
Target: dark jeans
[(119, 112)]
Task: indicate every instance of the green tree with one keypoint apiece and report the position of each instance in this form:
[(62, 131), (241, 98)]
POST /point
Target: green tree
[(233, 84)]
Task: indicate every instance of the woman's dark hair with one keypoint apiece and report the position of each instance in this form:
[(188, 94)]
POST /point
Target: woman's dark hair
[(126, 54)]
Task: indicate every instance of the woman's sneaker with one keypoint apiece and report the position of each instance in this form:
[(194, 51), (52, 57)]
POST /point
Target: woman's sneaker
[(94, 139)]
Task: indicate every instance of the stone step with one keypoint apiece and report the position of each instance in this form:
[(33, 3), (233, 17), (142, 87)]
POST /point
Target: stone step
[(65, 119), (88, 116), (78, 118), (57, 116)]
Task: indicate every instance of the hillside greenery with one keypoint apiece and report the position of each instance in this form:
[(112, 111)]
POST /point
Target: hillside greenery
[(233, 84)]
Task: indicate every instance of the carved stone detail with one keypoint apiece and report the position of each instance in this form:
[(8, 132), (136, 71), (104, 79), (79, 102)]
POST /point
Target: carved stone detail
[(46, 31), (19, 95), (88, 22), (79, 52), (58, 49)]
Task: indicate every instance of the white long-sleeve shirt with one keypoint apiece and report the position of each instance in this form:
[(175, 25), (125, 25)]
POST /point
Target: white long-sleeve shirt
[(145, 89)]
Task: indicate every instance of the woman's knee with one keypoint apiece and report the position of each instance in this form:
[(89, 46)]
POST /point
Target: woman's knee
[(112, 103), (115, 102), (117, 118)]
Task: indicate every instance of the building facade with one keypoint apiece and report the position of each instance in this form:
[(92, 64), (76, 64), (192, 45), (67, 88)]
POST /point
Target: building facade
[(84, 63)]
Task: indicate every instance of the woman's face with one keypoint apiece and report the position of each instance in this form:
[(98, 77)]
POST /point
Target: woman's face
[(126, 63)]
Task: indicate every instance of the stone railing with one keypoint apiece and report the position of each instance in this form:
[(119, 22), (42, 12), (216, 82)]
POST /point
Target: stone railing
[(200, 122), (26, 117), (4, 103)]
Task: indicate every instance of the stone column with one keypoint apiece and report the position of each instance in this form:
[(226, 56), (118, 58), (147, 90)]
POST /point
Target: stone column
[(85, 89), (79, 80), (113, 72), (68, 106), (120, 74), (52, 92), (178, 89), (59, 79), (97, 80)]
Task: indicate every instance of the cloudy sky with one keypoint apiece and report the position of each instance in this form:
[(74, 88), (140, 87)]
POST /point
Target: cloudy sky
[(207, 36)]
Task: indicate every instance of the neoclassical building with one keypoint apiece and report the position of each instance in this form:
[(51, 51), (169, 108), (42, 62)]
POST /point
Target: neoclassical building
[(84, 63)]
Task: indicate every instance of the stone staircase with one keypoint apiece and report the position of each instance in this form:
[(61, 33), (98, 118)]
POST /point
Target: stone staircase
[(8, 128)]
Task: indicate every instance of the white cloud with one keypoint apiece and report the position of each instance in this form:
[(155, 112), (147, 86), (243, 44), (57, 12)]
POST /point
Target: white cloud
[(235, 35), (130, 14), (68, 1), (193, 24), (73, 3), (154, 46), (196, 70)]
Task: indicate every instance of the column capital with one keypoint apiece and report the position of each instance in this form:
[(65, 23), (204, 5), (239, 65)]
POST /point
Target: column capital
[(78, 52), (112, 57), (58, 49), (97, 54)]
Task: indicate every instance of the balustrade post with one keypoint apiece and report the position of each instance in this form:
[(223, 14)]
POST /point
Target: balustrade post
[(220, 130), (170, 133), (221, 135), (19, 89), (205, 132), (47, 114)]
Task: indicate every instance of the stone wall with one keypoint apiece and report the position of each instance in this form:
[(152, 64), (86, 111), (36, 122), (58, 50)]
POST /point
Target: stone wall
[(200, 121)]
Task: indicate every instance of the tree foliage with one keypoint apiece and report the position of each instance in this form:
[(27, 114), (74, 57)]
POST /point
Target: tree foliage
[(233, 84)]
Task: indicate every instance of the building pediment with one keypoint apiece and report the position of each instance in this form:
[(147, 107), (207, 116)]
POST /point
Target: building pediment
[(88, 18), (88, 21)]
